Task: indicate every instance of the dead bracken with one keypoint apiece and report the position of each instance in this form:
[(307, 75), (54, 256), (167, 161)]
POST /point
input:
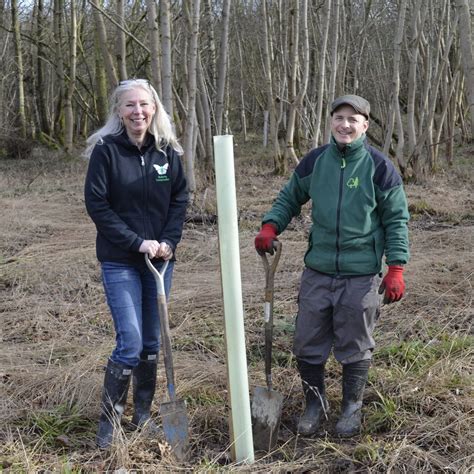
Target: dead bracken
[(56, 332)]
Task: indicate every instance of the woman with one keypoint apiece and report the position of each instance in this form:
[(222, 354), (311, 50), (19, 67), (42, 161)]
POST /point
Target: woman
[(135, 192)]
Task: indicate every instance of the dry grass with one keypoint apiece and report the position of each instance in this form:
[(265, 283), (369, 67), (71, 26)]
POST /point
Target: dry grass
[(56, 334)]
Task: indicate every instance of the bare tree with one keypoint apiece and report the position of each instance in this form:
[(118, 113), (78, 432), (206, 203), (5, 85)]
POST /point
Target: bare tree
[(425, 139), (154, 36), (166, 62), (190, 127), (19, 68), (102, 34), (40, 73), (59, 66), (222, 66), (293, 64), (209, 45), (296, 104), (414, 38), (243, 119), (322, 73), (205, 122), (121, 49), (395, 104), (335, 21), (3, 65), (362, 54), (100, 82), (71, 83), (280, 162), (465, 35)]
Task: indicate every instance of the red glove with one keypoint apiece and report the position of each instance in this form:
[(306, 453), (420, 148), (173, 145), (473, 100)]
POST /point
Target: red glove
[(393, 284), (265, 238)]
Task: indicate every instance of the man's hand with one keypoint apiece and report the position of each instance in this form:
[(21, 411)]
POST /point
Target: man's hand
[(265, 238), (393, 284)]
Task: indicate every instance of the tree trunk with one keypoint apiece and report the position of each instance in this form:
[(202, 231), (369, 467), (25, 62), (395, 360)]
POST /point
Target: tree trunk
[(414, 38), (154, 37), (426, 137), (121, 46), (279, 161), (68, 110), (59, 63), (296, 105), (335, 21), (395, 104), (100, 82), (465, 36), (206, 125), (322, 74), (19, 69), (41, 86), (189, 132), (210, 46), (222, 66), (106, 56), (166, 61), (243, 120), (3, 66), (293, 63)]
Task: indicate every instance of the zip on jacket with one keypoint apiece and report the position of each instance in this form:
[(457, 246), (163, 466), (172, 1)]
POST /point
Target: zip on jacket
[(339, 204), (134, 194), (359, 210)]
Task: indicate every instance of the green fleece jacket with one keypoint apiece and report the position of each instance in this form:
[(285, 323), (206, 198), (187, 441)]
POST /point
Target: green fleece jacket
[(359, 209)]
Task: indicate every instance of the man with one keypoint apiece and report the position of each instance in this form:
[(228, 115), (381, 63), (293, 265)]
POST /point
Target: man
[(359, 214)]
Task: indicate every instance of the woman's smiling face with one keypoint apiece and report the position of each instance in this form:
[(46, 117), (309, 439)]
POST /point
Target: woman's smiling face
[(136, 109), (347, 125)]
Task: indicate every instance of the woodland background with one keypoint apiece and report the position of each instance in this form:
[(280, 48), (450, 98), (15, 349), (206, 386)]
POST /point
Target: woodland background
[(266, 72), (268, 67)]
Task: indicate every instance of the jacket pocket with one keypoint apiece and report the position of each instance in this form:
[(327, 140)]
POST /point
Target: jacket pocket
[(321, 251)]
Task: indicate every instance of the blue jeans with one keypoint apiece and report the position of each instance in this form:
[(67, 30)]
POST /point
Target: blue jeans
[(132, 298)]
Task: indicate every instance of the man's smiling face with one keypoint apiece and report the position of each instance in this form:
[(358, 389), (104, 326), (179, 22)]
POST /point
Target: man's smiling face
[(347, 125)]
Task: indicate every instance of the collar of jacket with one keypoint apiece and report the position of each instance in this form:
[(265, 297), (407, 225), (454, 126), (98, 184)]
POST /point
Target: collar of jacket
[(123, 140), (352, 151)]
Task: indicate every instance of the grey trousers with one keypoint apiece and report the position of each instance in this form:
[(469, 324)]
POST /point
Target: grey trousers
[(336, 313)]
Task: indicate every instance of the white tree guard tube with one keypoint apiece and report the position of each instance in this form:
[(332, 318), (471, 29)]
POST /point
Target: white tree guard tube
[(241, 424)]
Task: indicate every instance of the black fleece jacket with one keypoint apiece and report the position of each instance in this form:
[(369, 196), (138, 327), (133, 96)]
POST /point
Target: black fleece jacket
[(132, 195)]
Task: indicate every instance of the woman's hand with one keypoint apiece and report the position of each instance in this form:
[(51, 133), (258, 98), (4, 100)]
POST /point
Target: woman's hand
[(155, 249), (150, 247), (165, 251)]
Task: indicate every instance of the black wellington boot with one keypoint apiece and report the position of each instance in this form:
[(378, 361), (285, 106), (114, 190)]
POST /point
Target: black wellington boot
[(354, 378), (144, 383), (114, 397), (312, 377)]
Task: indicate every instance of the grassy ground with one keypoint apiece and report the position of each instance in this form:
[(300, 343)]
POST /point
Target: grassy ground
[(56, 334)]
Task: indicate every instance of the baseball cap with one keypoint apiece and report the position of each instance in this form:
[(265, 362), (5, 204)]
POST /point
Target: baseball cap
[(359, 104)]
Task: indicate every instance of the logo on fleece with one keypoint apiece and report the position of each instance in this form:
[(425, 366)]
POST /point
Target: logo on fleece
[(353, 183), (161, 172)]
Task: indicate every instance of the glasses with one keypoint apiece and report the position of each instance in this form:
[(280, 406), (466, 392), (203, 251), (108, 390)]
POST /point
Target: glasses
[(134, 81)]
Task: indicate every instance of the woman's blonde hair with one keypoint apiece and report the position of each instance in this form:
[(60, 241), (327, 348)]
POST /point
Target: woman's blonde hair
[(160, 127)]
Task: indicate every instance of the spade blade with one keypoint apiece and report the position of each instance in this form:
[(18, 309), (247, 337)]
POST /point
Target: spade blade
[(266, 414)]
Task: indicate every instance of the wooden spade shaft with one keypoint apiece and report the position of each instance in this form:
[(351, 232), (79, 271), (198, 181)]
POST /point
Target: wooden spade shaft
[(268, 309), (266, 402)]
